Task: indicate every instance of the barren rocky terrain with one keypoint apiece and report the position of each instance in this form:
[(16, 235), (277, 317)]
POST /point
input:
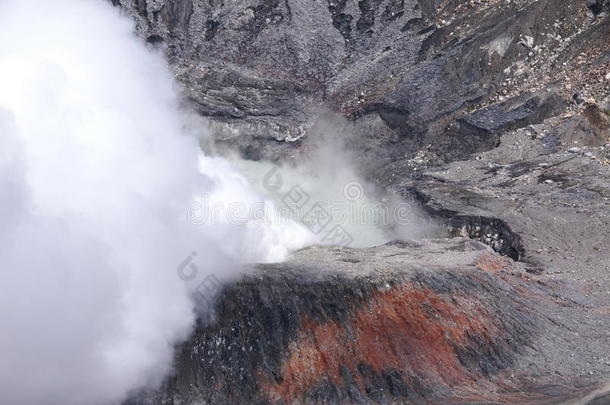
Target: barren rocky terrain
[(493, 116)]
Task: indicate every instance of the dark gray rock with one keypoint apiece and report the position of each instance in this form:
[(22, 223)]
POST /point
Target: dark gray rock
[(559, 225), (597, 6), (480, 131), (402, 323), (264, 68)]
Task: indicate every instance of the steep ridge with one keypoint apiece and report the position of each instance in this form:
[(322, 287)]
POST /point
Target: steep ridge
[(441, 321)]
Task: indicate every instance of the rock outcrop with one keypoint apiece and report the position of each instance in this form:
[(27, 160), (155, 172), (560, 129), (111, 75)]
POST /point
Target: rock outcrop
[(406, 71), (542, 197), (439, 321)]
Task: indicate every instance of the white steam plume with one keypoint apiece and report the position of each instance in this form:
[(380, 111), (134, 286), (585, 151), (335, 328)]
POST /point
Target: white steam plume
[(96, 176)]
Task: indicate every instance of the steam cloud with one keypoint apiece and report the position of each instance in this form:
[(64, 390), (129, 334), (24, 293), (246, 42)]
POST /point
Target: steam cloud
[(335, 194), (96, 175)]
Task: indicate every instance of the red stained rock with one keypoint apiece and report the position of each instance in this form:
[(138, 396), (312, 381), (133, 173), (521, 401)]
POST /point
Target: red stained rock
[(404, 328)]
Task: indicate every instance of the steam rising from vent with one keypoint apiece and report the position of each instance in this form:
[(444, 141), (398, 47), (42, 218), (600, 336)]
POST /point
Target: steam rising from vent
[(96, 176)]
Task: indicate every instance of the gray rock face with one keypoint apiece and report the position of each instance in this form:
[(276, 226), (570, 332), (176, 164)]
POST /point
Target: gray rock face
[(265, 67), (597, 6), (257, 66), (547, 187)]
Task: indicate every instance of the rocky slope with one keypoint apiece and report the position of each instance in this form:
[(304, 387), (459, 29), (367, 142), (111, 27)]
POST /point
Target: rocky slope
[(439, 321), (410, 73), (494, 116)]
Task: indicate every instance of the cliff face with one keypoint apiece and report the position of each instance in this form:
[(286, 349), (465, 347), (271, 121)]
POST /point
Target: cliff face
[(493, 116), (410, 73)]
